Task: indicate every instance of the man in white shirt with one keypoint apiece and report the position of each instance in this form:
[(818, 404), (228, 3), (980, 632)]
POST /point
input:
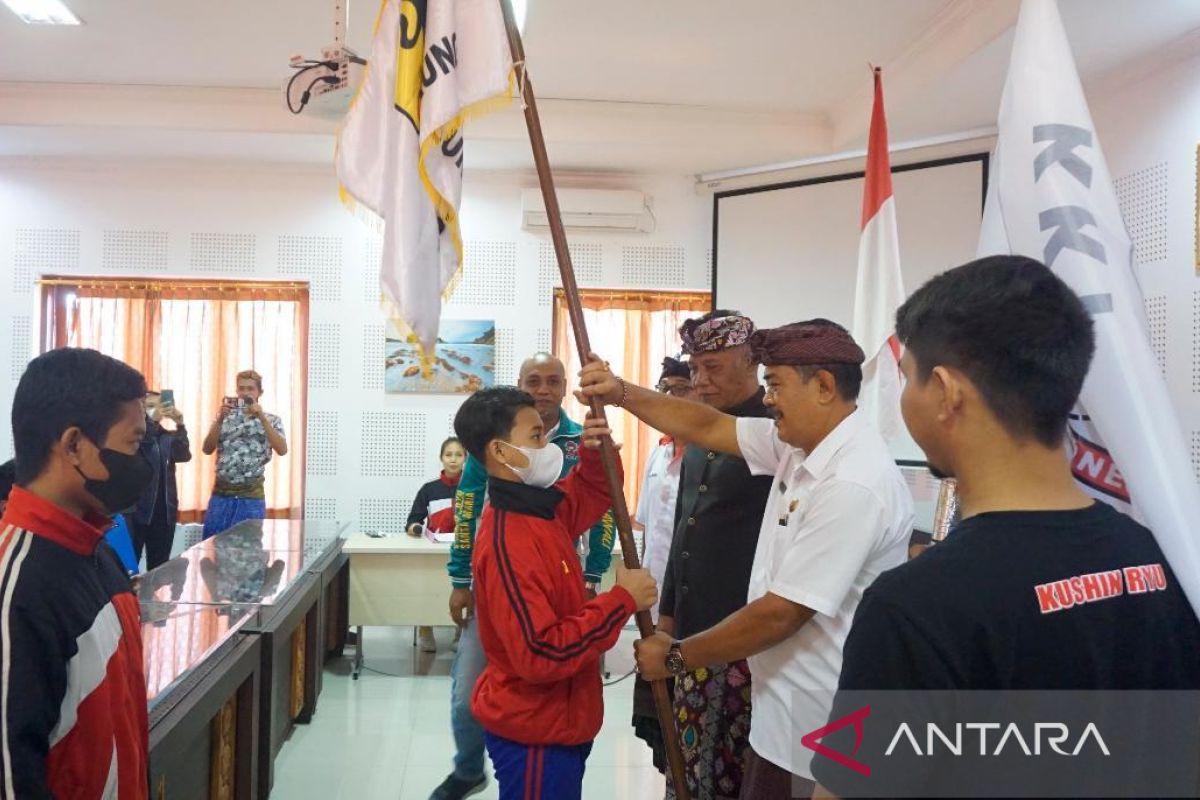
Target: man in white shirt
[(840, 514)]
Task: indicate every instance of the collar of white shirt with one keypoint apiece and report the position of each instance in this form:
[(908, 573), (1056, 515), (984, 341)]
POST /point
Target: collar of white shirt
[(818, 460)]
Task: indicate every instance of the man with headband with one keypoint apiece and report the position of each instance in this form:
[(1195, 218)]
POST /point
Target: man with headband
[(839, 515), (708, 570)]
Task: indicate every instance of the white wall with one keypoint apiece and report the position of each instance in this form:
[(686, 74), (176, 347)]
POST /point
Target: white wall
[(1150, 130), (367, 452)]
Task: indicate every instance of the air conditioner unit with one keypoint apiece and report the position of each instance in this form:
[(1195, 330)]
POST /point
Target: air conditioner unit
[(590, 209)]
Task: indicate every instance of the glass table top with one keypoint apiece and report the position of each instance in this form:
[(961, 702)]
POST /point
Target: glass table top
[(194, 605), (253, 563), (178, 638)]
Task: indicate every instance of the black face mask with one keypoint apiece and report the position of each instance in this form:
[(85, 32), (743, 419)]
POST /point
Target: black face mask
[(128, 477)]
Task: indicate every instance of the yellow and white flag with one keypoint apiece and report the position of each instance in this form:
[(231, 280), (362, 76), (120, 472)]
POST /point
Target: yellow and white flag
[(433, 65)]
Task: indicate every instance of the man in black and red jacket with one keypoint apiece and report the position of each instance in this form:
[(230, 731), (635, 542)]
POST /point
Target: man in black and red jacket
[(73, 694)]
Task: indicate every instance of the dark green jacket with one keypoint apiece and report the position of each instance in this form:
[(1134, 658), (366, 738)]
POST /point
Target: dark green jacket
[(470, 497)]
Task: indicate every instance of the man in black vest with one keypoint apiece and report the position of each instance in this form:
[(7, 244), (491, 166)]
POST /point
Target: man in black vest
[(717, 521)]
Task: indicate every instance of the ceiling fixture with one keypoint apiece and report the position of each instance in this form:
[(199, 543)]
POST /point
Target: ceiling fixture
[(42, 12)]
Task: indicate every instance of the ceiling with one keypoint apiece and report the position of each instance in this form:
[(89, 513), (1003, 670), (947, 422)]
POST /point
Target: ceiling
[(680, 86)]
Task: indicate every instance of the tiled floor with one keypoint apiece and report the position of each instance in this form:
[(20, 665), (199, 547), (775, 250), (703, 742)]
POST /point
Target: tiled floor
[(385, 737)]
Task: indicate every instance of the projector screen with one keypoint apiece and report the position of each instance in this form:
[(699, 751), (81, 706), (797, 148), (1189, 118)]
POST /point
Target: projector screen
[(789, 252)]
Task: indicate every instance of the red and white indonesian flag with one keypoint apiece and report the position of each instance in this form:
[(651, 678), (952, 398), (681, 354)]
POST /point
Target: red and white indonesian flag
[(880, 288), (433, 65), (1051, 198)]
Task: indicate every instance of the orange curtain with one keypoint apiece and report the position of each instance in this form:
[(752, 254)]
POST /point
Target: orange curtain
[(634, 331), (193, 338)]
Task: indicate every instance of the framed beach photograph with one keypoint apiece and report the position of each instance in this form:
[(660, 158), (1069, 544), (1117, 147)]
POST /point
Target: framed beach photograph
[(464, 359)]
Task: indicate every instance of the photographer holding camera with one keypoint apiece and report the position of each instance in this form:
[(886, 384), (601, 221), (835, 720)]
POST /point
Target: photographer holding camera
[(152, 521), (243, 436)]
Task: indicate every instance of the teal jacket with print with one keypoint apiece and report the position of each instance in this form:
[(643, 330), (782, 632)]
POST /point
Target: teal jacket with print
[(470, 497)]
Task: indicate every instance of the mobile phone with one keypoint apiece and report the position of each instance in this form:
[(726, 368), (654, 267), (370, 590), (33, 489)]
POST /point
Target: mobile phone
[(167, 397), (230, 402)]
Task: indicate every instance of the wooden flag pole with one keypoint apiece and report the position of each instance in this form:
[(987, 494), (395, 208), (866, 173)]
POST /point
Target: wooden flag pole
[(608, 453)]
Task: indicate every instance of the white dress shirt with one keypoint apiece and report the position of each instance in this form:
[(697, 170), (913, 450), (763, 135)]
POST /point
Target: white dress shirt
[(837, 518), (656, 510)]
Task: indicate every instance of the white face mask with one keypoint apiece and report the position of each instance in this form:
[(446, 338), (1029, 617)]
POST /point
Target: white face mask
[(545, 465)]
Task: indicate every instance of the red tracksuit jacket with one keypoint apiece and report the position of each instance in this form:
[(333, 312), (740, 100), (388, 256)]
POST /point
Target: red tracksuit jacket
[(73, 699), (543, 639)]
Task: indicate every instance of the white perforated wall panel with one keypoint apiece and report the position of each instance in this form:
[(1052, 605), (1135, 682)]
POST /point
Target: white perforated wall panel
[(587, 259), (654, 266), (324, 355), (543, 341), (489, 276), (1156, 317), (1196, 453), (223, 253), (42, 251), (134, 251), (372, 357), (322, 508), (323, 442), (1196, 342), (1142, 196), (394, 444), (317, 259), (20, 347), (506, 366), (375, 514)]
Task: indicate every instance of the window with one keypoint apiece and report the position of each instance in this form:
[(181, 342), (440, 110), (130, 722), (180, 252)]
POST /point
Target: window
[(193, 337), (634, 331)]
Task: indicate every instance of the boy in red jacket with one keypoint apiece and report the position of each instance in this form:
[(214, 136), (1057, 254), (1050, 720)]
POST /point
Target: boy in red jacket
[(539, 699)]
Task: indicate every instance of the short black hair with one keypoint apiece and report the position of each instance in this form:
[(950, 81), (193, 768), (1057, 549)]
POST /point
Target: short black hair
[(8, 477), (65, 388), (847, 376), (1015, 329), (489, 414), (675, 368), (449, 441)]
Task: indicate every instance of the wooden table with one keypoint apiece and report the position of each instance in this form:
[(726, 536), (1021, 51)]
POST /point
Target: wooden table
[(204, 719), (396, 580)]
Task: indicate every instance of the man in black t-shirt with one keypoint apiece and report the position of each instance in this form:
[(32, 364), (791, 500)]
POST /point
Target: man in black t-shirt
[(1038, 588)]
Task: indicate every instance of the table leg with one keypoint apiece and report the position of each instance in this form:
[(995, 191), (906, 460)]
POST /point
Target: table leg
[(358, 653)]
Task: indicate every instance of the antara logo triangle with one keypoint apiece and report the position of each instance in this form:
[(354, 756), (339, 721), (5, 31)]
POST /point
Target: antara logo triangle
[(812, 740)]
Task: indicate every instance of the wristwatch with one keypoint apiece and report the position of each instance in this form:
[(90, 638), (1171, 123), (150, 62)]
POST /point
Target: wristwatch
[(674, 661), (590, 586)]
